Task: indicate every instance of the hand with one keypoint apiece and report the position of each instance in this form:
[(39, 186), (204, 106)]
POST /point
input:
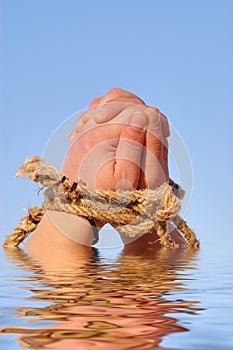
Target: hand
[(100, 110), (107, 156), (119, 143)]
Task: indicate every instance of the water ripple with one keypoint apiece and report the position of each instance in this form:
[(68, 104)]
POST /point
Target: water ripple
[(129, 302)]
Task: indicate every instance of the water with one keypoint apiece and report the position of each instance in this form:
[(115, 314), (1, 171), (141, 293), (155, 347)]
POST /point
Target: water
[(111, 299)]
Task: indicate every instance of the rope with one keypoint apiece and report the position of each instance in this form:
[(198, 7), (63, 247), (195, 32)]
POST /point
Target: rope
[(131, 212)]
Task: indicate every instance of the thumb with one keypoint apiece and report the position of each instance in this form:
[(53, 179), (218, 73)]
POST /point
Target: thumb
[(129, 149)]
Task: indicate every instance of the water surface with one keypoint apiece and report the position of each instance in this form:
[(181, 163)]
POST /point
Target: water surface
[(111, 299)]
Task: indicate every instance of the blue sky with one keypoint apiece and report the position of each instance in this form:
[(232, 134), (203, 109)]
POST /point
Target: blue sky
[(56, 56)]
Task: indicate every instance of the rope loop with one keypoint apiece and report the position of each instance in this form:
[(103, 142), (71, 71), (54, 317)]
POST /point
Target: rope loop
[(134, 213), (170, 208)]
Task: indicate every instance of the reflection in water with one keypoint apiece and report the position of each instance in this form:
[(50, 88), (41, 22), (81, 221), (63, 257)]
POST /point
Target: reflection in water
[(95, 303)]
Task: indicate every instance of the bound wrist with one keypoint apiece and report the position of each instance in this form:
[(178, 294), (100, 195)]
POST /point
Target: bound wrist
[(74, 227)]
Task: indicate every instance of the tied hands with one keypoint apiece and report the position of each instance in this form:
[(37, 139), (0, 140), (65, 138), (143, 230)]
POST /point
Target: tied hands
[(119, 143)]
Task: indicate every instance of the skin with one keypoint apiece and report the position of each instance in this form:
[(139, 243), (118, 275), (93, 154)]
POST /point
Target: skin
[(119, 143), (120, 130)]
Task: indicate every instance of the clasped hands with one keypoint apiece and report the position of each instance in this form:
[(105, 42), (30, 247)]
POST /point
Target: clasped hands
[(119, 143)]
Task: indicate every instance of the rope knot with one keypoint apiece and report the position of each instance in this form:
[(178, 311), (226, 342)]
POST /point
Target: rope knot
[(35, 214), (171, 206), (133, 213)]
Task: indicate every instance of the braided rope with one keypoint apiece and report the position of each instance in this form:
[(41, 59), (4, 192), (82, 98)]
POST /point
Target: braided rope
[(131, 212)]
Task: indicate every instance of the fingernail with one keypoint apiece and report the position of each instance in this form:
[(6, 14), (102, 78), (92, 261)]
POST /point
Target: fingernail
[(138, 119), (153, 117), (72, 137)]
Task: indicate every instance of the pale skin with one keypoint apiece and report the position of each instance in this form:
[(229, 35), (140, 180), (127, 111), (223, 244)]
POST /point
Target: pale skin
[(118, 143)]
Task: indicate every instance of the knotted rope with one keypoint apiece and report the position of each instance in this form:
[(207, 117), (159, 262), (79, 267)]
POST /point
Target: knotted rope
[(131, 212)]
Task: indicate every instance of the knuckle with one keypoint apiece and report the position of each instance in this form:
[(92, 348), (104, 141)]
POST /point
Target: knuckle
[(132, 145), (135, 108), (114, 92)]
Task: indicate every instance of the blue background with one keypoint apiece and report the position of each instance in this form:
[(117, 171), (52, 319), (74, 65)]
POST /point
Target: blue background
[(56, 56)]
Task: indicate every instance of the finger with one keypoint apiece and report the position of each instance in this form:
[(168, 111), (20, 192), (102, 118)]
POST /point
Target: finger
[(158, 131), (96, 101), (114, 94), (110, 105), (83, 119), (129, 151), (117, 93), (72, 136), (154, 158), (114, 102), (164, 122), (109, 111)]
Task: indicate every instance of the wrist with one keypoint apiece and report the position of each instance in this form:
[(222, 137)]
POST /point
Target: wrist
[(76, 228), (60, 230)]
